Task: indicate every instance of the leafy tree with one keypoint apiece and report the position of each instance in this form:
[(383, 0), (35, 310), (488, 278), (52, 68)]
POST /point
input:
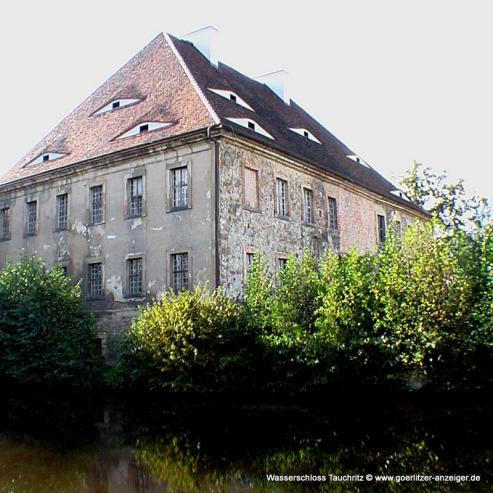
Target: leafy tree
[(448, 202), (424, 297), (45, 336), (259, 296), (190, 341)]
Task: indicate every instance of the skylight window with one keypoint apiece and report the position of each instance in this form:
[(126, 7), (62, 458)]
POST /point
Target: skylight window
[(46, 157), (305, 133), (143, 128), (232, 97), (358, 159), (117, 104), (251, 125)]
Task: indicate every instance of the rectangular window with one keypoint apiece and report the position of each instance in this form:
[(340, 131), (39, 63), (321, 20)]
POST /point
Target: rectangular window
[(62, 212), (333, 222), (32, 219), (135, 194), (134, 273), (179, 191), (381, 229), (281, 263), (308, 206), (250, 256), (179, 271), (96, 197), (250, 177), (95, 280), (5, 223), (281, 197)]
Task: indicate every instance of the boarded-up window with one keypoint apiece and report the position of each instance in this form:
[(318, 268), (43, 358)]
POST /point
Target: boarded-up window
[(251, 187)]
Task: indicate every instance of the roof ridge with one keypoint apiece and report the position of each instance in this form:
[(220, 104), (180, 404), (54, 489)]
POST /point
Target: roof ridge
[(190, 76)]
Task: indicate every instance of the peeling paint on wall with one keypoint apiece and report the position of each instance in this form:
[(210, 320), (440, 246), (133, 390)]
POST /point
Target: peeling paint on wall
[(80, 227), (241, 229), (114, 288), (136, 223)]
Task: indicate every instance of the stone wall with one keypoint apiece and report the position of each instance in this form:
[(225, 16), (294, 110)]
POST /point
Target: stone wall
[(243, 230)]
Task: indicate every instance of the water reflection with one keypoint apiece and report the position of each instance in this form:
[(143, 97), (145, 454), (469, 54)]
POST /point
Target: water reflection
[(74, 446)]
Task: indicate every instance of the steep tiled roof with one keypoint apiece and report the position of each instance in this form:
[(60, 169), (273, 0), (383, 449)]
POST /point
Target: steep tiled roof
[(173, 81), (156, 77), (277, 117)]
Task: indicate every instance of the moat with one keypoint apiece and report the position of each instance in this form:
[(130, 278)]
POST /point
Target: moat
[(73, 445)]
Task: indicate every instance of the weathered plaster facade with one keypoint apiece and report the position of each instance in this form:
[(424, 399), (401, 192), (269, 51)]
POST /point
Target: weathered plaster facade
[(155, 235), (242, 229)]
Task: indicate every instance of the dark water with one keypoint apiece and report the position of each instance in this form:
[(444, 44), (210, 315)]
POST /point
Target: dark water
[(74, 445)]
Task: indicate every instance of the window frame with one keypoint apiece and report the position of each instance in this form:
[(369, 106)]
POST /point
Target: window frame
[(280, 181), (381, 231), (128, 280), (332, 214), (102, 205), (172, 271), (170, 173), (139, 211), (247, 252), (5, 226), (89, 292), (279, 257), (308, 220), (57, 212), (27, 230)]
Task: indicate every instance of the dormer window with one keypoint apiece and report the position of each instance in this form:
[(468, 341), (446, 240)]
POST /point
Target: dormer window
[(251, 125), (305, 133), (358, 159), (400, 194), (232, 96), (143, 128), (45, 157), (117, 104)]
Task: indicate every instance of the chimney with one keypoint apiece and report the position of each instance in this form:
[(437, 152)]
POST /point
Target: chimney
[(204, 40), (278, 82)]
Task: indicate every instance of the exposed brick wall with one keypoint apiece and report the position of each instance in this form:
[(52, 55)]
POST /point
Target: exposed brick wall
[(242, 229)]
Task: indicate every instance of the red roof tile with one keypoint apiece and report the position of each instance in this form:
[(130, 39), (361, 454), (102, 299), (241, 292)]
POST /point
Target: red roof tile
[(156, 76), (172, 79)]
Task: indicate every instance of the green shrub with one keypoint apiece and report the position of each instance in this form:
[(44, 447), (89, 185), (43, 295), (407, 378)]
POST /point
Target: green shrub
[(45, 336), (191, 341)]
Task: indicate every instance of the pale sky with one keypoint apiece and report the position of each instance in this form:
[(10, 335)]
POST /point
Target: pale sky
[(394, 80)]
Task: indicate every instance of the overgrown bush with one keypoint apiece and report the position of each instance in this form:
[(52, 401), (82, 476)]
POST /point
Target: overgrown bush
[(419, 309), (190, 341), (45, 336)]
